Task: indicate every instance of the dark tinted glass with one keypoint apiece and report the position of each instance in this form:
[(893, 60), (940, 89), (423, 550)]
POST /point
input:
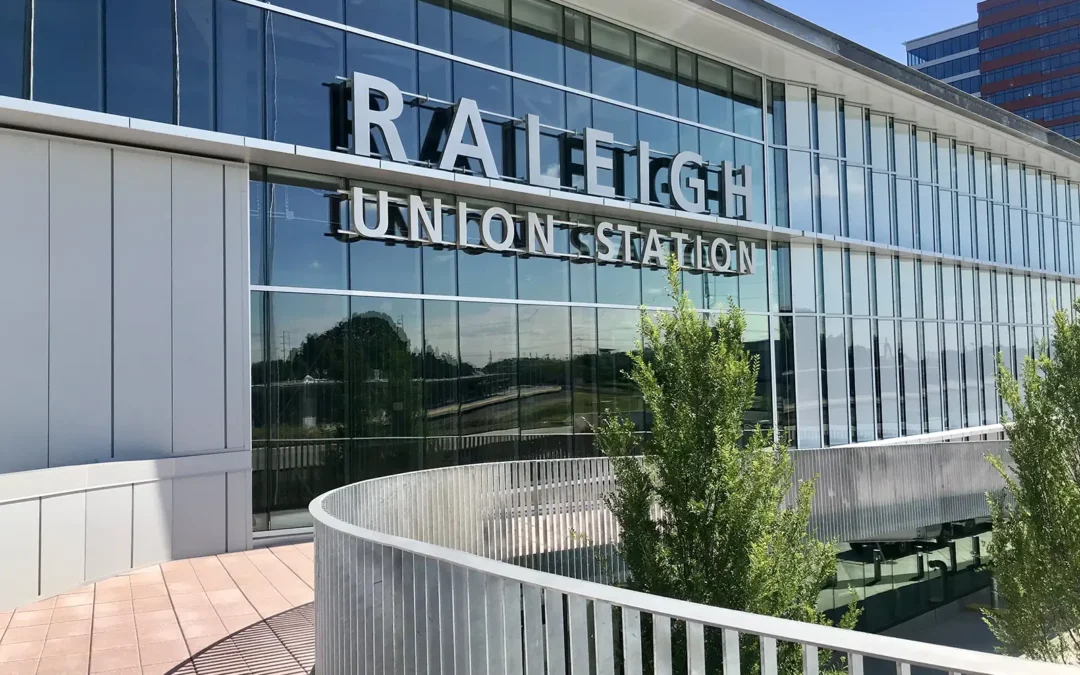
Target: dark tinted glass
[(537, 39), (385, 265), (14, 52), (68, 54), (324, 9), (544, 368), (488, 382), (656, 85), (395, 19), (441, 368), (240, 82), (481, 31), (301, 58), (619, 333), (385, 345), (139, 52), (613, 62), (257, 190), (297, 252), (585, 356), (195, 42)]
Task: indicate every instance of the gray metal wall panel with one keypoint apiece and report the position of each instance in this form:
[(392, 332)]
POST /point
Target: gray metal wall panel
[(108, 531), (80, 303), (63, 543), (198, 516), (20, 522), (142, 278), (24, 274), (237, 325), (198, 307), (238, 511), (151, 526)]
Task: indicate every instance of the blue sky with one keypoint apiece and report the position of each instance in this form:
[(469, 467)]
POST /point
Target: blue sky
[(883, 25)]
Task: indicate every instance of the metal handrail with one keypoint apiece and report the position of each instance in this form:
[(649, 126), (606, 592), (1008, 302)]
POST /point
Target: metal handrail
[(392, 603)]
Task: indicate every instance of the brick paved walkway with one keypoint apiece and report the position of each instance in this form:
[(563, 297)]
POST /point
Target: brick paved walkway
[(237, 613)]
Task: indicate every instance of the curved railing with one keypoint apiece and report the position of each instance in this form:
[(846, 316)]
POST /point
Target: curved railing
[(506, 568)]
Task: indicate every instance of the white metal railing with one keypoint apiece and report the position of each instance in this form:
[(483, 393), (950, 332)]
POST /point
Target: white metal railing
[(493, 569)]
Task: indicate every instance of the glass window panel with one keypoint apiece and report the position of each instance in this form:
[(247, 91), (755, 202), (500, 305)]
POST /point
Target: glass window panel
[(953, 383), (1017, 241), (832, 270), (753, 288), (618, 283), (777, 122), (14, 61), (997, 178), (545, 277), (1031, 189), (902, 148), (1005, 347), (786, 400), (828, 125), (807, 382), (139, 59), (803, 295), (578, 62), (1022, 337), (982, 189), (967, 290), (585, 359), (583, 267), (656, 86), (986, 288), (836, 381), (300, 57), (747, 98), (989, 356), (854, 135), (483, 273), (911, 373), (618, 335), (1074, 202), (1063, 248), (537, 39), (1050, 245), (441, 368), (998, 212), (481, 31), (195, 46), (756, 341), (257, 228), (613, 70), (386, 367), (306, 369), (655, 291), (1037, 305), (860, 284), (887, 380), (950, 299), (797, 102), (879, 142), (908, 289), (433, 24), (1015, 193), (924, 155), (982, 230), (905, 217), (714, 96), (829, 183), (399, 65), (488, 380), (800, 191), (963, 167), (929, 287), (963, 227), (394, 19), (856, 202), (862, 380), (68, 56), (1046, 192), (298, 253), (1005, 309), (780, 288), (544, 369), (883, 277), (932, 372), (882, 208), (946, 206), (927, 218), (688, 91)]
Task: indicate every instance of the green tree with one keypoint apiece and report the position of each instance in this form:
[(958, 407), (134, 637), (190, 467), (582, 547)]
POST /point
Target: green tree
[(1035, 550), (701, 503)]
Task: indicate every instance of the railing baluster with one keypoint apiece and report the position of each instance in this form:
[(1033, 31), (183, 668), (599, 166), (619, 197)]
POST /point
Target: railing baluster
[(605, 640), (556, 643), (810, 663), (534, 630), (661, 645), (577, 610), (855, 664), (695, 648), (768, 656), (903, 668), (731, 652), (631, 630)]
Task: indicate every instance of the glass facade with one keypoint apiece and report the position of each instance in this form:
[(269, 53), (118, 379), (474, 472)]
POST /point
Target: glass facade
[(913, 258)]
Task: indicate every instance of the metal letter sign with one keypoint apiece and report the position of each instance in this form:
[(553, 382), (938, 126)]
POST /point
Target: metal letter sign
[(688, 188)]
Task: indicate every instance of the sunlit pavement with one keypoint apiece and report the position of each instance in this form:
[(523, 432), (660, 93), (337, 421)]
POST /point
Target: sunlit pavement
[(236, 613)]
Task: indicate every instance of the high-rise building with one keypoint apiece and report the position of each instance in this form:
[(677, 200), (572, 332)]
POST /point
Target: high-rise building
[(1030, 60), (950, 55), (1023, 55)]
